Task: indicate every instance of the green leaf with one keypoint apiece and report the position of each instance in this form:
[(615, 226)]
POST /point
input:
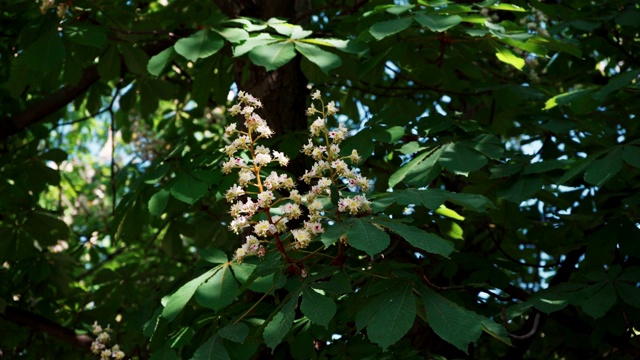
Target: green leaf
[(158, 202), (524, 188), (616, 83), (389, 316), (213, 255), (324, 59), (55, 155), (135, 59), (628, 293), (385, 28), (252, 42), (164, 353), (436, 22), (475, 202), (631, 155), (420, 239), (506, 56), (45, 229), (232, 35), (451, 322), (334, 232), (280, 325), (179, 299), (200, 45), (109, 63), (599, 303), (602, 170), (460, 159), (158, 62), (566, 98), (219, 291), (318, 308), (410, 148), (46, 54), (235, 332), (446, 212), (367, 237), (212, 349), (349, 46), (86, 34), (401, 173), (182, 337), (188, 189), (272, 56)]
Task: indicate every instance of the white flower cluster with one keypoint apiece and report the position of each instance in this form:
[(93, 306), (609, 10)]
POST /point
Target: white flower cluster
[(99, 345), (257, 194)]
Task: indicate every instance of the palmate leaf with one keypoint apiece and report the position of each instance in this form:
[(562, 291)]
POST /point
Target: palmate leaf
[(389, 316), (365, 236), (421, 239), (272, 56), (211, 349), (436, 22), (451, 322), (200, 45), (280, 325), (385, 28), (235, 332), (324, 59), (318, 308), (179, 299), (602, 170), (219, 291), (158, 62)]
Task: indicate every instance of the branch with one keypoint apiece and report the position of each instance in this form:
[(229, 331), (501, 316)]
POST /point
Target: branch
[(42, 324), (35, 113)]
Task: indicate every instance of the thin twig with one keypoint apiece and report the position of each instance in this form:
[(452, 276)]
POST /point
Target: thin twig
[(534, 329), (523, 263)]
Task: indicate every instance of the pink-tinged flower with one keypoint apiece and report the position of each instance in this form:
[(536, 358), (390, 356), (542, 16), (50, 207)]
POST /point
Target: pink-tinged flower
[(318, 152), (315, 206), (311, 110), (331, 108), (280, 222), (355, 157), (262, 159), (260, 149), (265, 198), (295, 196), (235, 110), (233, 192), (292, 211), (307, 149), (302, 238), (340, 166), (245, 176), (282, 159), (261, 228), (230, 129), (241, 252), (317, 127), (264, 131), (238, 224), (314, 227)]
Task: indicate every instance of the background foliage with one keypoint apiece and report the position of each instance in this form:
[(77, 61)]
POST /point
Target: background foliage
[(502, 140)]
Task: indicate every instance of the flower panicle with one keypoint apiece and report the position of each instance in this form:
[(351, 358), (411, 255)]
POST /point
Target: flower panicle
[(259, 208), (99, 345)]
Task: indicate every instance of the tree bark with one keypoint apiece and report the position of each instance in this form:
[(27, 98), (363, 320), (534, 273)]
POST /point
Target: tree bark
[(282, 91), (42, 324)]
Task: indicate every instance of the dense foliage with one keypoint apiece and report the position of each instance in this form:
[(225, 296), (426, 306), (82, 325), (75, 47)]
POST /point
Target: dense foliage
[(477, 194)]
